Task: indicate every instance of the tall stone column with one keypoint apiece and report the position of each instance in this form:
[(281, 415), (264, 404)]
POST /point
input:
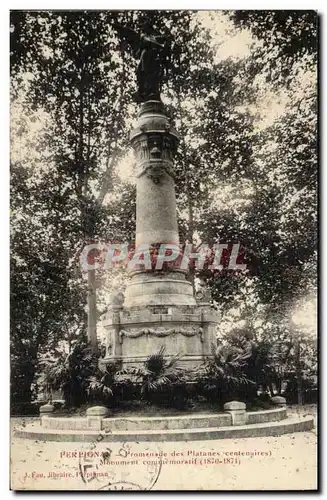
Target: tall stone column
[(155, 143)]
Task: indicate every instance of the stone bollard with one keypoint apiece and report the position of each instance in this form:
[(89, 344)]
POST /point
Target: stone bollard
[(278, 401), (95, 415), (46, 409), (237, 409)]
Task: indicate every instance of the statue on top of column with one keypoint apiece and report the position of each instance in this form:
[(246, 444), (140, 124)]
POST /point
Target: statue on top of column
[(152, 52)]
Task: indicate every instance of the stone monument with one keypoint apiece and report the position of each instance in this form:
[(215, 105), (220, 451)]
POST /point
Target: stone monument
[(159, 307)]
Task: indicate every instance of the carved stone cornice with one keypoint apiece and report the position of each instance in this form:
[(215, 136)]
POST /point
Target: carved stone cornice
[(154, 122)]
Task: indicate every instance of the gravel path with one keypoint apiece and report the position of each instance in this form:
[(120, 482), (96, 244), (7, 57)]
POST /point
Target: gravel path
[(267, 463)]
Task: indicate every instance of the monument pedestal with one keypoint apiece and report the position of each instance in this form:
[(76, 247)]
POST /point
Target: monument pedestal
[(158, 308), (132, 335)]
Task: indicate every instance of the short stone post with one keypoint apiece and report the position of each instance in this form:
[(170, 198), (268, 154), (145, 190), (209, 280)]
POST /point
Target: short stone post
[(278, 401), (95, 415), (46, 409), (237, 409)]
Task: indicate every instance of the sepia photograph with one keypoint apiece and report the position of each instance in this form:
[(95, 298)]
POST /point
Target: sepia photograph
[(163, 250)]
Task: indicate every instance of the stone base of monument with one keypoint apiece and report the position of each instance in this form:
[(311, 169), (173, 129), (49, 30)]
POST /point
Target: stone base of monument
[(97, 426), (134, 334)]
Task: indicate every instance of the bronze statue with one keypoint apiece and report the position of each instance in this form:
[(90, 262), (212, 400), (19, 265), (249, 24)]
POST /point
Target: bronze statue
[(152, 53)]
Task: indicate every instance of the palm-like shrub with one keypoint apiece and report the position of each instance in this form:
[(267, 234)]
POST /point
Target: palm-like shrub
[(99, 390), (163, 382), (264, 361), (100, 385), (225, 375), (71, 373), (261, 366)]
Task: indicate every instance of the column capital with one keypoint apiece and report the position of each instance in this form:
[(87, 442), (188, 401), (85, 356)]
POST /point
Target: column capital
[(154, 141)]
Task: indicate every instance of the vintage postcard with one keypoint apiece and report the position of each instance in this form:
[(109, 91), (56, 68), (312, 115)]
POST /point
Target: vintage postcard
[(163, 250)]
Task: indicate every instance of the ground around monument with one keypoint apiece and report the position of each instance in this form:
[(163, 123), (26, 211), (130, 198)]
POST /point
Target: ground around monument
[(265, 463)]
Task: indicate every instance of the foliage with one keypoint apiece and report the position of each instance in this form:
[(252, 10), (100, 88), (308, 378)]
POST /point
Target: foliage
[(99, 391), (73, 374), (273, 361), (309, 391), (261, 365), (45, 295), (163, 381), (225, 374), (296, 32)]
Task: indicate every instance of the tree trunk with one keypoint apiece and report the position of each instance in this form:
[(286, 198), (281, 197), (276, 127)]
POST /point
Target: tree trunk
[(190, 233), (298, 372), (92, 308)]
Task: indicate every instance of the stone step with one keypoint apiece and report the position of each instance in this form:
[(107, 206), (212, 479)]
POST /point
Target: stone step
[(289, 425), (188, 421)]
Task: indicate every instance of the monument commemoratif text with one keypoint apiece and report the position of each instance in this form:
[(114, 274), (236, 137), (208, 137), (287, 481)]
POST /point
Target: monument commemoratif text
[(159, 308)]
